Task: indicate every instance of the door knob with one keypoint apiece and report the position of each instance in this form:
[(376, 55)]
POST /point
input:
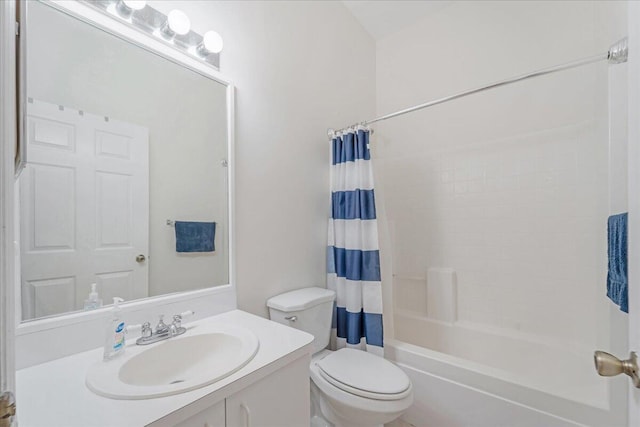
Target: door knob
[(7, 409), (141, 258), (608, 365)]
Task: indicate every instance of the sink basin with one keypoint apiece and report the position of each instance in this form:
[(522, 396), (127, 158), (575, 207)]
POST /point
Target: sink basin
[(176, 365)]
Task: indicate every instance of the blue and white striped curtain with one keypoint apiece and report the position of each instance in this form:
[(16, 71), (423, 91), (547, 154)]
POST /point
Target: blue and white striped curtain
[(353, 256)]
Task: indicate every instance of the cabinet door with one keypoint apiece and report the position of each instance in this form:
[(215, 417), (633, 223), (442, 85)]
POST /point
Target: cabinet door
[(278, 400), (210, 417)]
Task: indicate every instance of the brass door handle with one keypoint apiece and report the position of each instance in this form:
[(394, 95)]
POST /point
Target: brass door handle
[(7, 409), (141, 258), (608, 365)]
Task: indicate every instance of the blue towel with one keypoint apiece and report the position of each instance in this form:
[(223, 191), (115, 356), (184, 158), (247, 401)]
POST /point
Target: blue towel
[(195, 236), (617, 282)]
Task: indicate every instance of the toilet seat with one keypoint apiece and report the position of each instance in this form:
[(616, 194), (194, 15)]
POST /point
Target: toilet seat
[(364, 375), (341, 406)]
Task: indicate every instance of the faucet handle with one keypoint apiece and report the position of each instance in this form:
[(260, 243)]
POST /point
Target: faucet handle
[(177, 319), (144, 328), (176, 327)]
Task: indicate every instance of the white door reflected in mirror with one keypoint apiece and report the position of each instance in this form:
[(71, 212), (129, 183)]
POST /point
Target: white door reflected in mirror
[(84, 209)]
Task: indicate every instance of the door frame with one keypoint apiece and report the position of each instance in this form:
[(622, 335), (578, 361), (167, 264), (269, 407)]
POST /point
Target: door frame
[(8, 132), (633, 17)]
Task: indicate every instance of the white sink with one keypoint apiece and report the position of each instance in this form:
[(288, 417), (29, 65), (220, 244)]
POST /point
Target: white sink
[(176, 365)]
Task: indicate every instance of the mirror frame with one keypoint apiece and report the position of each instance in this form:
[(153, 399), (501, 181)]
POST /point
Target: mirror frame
[(130, 34)]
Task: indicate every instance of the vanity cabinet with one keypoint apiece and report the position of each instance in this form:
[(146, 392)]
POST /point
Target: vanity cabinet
[(280, 399), (210, 417)]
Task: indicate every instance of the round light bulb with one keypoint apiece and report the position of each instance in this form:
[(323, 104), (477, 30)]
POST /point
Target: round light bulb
[(178, 22), (135, 4), (212, 41)]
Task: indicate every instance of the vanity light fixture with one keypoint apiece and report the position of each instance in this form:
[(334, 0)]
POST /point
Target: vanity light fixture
[(211, 43), (173, 29), (177, 23), (125, 8)]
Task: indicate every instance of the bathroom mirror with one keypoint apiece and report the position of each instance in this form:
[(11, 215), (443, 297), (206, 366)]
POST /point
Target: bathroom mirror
[(122, 146)]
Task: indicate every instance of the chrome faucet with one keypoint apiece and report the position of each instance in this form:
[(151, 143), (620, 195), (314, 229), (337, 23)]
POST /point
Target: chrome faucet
[(162, 331)]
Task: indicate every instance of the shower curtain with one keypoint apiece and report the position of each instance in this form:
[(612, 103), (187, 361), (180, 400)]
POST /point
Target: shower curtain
[(353, 256)]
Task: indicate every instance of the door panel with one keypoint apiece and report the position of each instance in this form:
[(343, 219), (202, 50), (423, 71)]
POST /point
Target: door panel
[(116, 284), (49, 296), (51, 133), (113, 210), (52, 202)]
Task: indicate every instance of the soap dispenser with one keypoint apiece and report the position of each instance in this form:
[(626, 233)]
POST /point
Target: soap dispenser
[(93, 301), (114, 341)]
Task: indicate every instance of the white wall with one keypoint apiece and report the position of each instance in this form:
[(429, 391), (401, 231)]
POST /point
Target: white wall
[(299, 68), (81, 67)]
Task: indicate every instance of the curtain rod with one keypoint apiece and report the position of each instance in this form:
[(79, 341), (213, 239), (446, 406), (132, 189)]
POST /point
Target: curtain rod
[(616, 54)]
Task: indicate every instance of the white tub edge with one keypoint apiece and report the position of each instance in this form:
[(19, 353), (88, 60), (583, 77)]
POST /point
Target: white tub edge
[(487, 399)]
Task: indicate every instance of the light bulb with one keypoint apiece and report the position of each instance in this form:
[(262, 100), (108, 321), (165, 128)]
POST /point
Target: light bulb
[(125, 8), (178, 22), (135, 4), (211, 43)]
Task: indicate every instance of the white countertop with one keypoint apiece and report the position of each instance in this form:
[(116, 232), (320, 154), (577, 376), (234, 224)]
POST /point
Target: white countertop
[(54, 394)]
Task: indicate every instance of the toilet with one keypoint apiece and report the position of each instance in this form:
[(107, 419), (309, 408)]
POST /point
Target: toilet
[(349, 387)]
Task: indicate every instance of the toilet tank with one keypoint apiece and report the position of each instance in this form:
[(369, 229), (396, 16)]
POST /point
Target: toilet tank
[(307, 309)]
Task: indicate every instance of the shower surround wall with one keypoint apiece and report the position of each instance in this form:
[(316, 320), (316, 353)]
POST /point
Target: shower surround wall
[(519, 220), (510, 188)]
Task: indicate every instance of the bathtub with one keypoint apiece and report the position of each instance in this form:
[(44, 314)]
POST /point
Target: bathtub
[(464, 375)]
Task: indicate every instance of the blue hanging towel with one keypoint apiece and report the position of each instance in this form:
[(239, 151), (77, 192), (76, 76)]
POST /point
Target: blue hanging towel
[(617, 283), (195, 236)]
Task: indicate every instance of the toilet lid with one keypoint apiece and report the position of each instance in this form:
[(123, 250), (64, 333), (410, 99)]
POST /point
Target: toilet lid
[(364, 374)]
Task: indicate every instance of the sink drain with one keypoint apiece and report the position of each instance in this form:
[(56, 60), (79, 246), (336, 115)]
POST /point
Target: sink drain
[(176, 382)]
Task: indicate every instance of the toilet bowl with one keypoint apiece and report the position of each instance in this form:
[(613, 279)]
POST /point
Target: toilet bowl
[(359, 400), (349, 388)]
